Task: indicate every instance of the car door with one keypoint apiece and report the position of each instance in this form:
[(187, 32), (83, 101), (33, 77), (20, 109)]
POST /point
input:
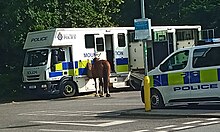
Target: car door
[(175, 76), (204, 76)]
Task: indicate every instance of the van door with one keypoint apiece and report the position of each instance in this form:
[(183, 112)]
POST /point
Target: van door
[(121, 53), (100, 49), (109, 50), (174, 77), (205, 73)]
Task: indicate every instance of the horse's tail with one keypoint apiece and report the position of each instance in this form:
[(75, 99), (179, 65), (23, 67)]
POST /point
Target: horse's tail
[(106, 69), (106, 73)]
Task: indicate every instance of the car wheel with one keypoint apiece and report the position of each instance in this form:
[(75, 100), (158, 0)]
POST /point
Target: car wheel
[(156, 99), (68, 89)]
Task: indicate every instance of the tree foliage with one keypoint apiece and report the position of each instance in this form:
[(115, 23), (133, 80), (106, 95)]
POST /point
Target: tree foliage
[(182, 12), (18, 17)]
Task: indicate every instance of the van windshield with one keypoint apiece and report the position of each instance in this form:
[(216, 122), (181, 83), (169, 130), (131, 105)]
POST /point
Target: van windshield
[(36, 58)]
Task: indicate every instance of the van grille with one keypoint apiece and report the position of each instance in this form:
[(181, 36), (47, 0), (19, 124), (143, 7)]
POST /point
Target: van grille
[(33, 77)]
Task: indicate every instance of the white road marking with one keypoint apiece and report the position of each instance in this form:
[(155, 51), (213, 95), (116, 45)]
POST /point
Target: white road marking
[(114, 123), (55, 130), (164, 127), (192, 122), (209, 123), (115, 104), (181, 128), (67, 113), (212, 119), (142, 131), (85, 123)]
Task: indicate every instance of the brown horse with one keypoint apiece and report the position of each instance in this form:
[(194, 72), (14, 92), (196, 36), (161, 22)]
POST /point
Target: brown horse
[(100, 69)]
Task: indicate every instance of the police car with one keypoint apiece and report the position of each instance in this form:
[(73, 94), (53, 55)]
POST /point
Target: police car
[(189, 75)]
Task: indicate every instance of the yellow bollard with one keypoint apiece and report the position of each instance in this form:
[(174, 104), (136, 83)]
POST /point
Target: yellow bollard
[(147, 93)]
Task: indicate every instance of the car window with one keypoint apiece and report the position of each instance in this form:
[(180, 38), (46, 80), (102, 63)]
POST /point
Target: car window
[(206, 57), (177, 61)]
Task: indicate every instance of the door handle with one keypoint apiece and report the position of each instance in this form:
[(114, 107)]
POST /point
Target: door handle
[(195, 73), (183, 74)]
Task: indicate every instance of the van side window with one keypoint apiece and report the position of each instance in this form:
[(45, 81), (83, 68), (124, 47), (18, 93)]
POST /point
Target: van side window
[(58, 55), (89, 41), (206, 57), (100, 44), (121, 40), (177, 61)]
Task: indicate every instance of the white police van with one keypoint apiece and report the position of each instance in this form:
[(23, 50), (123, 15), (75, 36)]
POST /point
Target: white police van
[(189, 75)]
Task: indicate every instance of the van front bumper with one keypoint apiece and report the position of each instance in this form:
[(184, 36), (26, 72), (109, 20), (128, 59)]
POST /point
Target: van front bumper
[(41, 88)]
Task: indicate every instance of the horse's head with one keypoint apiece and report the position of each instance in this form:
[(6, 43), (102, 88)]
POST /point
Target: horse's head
[(89, 70), (96, 59)]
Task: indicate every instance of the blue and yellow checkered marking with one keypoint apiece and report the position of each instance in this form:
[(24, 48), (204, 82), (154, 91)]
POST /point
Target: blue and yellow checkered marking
[(122, 64), (62, 67), (181, 78), (72, 68), (80, 67)]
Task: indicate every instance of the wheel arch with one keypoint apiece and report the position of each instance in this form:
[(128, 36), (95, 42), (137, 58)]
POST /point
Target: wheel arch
[(152, 89), (68, 78)]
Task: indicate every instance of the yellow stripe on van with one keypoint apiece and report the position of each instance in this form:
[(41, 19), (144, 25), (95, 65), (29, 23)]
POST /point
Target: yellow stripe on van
[(210, 75), (71, 72), (175, 79), (82, 64), (59, 67), (151, 81), (122, 68), (76, 72)]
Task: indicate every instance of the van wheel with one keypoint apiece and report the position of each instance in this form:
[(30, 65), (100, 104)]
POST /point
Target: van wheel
[(156, 99), (68, 89)]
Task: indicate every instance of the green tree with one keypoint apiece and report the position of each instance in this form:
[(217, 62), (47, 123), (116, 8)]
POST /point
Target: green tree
[(183, 12), (204, 12)]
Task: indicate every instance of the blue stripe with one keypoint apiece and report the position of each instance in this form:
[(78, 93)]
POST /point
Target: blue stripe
[(186, 78), (70, 65), (157, 80), (55, 74), (76, 64), (82, 71), (194, 78), (218, 70), (164, 78), (121, 61), (65, 65)]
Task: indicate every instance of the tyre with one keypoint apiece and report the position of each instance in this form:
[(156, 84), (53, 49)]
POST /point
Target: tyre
[(156, 99), (68, 89)]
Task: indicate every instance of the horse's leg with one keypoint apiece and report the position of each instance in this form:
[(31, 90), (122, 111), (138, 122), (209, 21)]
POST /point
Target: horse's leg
[(101, 88), (106, 86), (96, 88)]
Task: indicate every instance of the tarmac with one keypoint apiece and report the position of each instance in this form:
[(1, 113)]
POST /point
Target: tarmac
[(177, 112)]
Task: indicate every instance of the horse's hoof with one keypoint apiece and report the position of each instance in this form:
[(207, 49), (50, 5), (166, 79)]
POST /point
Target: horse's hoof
[(96, 95), (108, 95), (101, 95)]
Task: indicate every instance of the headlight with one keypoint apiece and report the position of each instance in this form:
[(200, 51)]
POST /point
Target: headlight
[(43, 86)]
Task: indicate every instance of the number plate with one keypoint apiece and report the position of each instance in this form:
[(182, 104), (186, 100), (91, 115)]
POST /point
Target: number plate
[(32, 87)]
